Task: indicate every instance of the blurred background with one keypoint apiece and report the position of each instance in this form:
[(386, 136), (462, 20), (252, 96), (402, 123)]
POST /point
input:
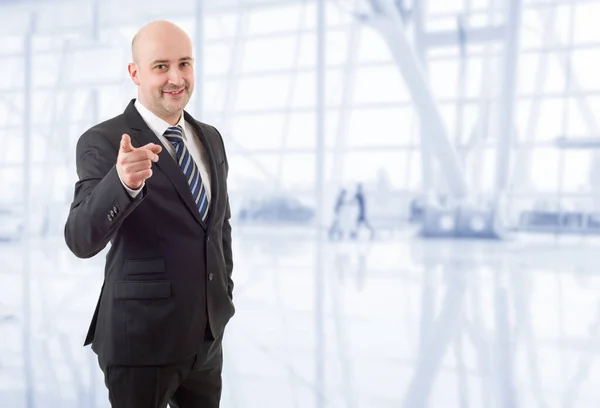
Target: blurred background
[(415, 191)]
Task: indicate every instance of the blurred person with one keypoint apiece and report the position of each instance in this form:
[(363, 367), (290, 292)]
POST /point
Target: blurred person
[(361, 218), (336, 229), (153, 183)]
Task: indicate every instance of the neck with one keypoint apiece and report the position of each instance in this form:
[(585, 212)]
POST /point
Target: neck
[(171, 119)]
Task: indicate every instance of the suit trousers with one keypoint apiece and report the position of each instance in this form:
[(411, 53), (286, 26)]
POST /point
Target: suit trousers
[(196, 383)]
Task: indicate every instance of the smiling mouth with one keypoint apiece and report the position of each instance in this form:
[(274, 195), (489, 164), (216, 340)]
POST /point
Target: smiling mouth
[(175, 93)]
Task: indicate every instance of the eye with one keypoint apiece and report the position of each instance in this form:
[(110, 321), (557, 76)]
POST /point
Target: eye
[(185, 64), (160, 66)]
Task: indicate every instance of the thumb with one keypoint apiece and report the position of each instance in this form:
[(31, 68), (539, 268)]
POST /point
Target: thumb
[(126, 143), (154, 148)]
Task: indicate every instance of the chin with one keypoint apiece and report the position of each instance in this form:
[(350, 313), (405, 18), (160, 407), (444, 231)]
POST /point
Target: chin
[(180, 105), (183, 103)]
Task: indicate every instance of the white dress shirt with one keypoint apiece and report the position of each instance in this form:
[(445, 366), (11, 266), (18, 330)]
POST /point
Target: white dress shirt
[(190, 139)]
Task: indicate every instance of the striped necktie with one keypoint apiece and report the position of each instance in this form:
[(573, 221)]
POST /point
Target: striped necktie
[(174, 135)]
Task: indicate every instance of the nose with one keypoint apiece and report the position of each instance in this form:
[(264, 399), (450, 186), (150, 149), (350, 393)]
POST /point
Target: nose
[(174, 76)]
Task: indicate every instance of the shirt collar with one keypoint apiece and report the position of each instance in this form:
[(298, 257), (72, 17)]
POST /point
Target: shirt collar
[(156, 124)]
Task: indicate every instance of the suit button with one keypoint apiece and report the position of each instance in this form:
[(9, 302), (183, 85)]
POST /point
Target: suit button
[(210, 276)]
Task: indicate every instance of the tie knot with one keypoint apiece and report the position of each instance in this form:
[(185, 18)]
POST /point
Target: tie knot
[(174, 134), (174, 131)]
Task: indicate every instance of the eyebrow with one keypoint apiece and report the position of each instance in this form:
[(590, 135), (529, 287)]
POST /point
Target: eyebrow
[(163, 61)]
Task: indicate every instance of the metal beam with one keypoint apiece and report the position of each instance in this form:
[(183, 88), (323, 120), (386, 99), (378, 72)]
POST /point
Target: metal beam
[(390, 26), (452, 38), (427, 163), (123, 16), (346, 104), (289, 99), (506, 114), (521, 176), (199, 65), (319, 275), (27, 205), (578, 143)]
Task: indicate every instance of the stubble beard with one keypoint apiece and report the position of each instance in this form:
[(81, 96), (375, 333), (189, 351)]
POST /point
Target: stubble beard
[(171, 108)]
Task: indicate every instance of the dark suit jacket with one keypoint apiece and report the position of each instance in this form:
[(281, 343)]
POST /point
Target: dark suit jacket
[(166, 275)]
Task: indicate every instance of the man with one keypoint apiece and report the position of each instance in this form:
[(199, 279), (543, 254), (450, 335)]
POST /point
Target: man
[(153, 182), (361, 218)]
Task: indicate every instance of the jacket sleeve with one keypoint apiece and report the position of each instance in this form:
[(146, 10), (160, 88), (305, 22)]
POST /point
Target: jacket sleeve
[(100, 202), (226, 232), (227, 251)]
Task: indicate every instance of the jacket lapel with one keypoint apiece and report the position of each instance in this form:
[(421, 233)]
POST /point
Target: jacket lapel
[(165, 162), (210, 153)]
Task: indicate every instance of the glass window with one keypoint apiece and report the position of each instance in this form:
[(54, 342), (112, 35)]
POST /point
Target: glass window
[(587, 15), (585, 63)]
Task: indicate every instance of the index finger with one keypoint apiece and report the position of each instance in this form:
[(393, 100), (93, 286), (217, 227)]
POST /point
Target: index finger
[(126, 143)]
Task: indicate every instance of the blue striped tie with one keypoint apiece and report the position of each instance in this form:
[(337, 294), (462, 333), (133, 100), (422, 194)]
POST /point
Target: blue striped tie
[(174, 135)]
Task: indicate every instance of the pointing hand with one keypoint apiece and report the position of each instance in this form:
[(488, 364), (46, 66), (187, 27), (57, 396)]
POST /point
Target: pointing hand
[(134, 165)]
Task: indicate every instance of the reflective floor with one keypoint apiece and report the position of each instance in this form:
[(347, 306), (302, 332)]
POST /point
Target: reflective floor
[(397, 322)]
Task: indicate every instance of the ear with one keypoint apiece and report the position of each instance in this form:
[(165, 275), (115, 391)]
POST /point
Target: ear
[(134, 72)]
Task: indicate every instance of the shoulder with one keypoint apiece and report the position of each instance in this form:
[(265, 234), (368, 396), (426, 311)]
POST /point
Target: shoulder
[(215, 139), (211, 132), (110, 128), (105, 134)]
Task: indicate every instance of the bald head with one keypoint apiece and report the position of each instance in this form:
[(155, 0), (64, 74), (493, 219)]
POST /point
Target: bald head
[(162, 68), (153, 32)]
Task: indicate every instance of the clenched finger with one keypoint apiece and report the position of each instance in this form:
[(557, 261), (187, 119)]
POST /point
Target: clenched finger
[(143, 174), (153, 147), (139, 155), (137, 166)]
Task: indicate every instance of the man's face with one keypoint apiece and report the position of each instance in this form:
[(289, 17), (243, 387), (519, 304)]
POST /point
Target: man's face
[(164, 72)]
